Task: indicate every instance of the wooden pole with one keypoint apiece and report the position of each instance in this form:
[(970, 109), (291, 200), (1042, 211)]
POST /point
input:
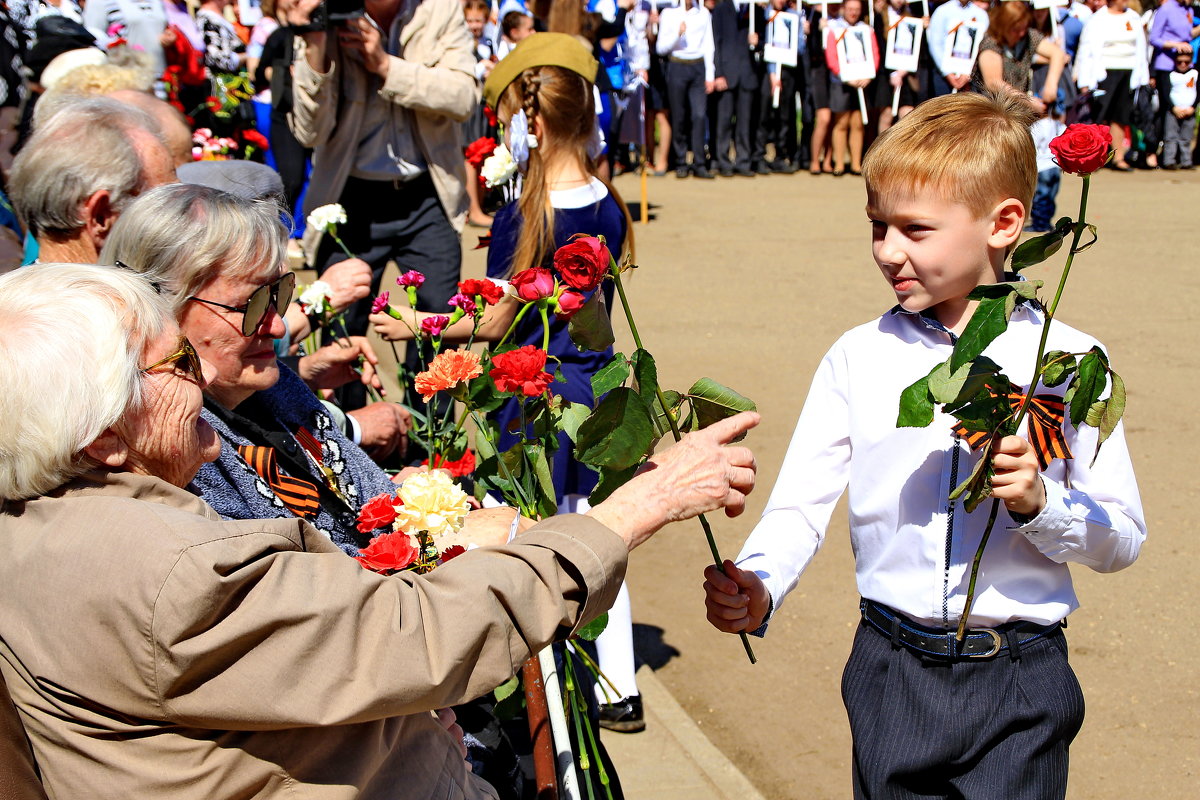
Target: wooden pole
[(544, 769)]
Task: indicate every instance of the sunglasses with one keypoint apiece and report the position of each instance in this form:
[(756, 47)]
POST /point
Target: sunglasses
[(277, 294), (185, 359)]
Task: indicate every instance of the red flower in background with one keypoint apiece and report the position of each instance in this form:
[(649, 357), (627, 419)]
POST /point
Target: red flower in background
[(255, 139), (482, 287), (459, 468), (582, 263), (490, 113), (478, 150), (1082, 149), (213, 103), (377, 512), (521, 371), (388, 553), (452, 551)]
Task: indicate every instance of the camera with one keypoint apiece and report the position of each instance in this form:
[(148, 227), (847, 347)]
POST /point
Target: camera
[(333, 13)]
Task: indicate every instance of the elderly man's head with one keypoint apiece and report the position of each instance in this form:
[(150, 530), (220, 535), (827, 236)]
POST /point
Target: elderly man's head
[(80, 169), (80, 388), (220, 259)]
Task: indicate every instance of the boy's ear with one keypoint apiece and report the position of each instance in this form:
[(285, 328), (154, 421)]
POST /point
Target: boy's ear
[(1008, 222)]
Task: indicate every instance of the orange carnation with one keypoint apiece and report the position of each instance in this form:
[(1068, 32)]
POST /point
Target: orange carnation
[(447, 370)]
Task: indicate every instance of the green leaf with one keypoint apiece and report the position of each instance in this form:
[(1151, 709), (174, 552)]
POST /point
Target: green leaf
[(989, 321), (978, 485), (610, 481), (590, 328), (573, 415), (482, 395), (964, 383), (610, 376), (1089, 383), (509, 706), (618, 433), (1057, 366), (675, 404), (1038, 248), (594, 628), (546, 500), (1086, 228), (1114, 409), (506, 689), (916, 403), (713, 402), (645, 376)]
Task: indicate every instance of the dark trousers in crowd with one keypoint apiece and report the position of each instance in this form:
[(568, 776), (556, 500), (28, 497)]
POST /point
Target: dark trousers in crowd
[(291, 161), (777, 126), (401, 222), (688, 101), (1177, 140), (735, 118), (995, 728), (1041, 214)]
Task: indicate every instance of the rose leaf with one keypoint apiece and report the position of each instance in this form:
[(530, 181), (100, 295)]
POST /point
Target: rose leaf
[(590, 327), (1039, 248), (617, 433), (712, 402), (1089, 383), (594, 628), (989, 321), (610, 376)]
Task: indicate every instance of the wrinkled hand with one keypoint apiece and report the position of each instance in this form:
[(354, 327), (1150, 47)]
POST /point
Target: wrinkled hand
[(700, 473), (1018, 481), (336, 365), (736, 599), (384, 428), (349, 280), (361, 41), (449, 722)]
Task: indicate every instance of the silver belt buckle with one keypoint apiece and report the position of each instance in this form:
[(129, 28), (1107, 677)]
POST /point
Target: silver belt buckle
[(997, 643)]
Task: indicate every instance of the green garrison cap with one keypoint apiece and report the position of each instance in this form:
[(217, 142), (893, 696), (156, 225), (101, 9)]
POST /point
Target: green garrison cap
[(539, 50)]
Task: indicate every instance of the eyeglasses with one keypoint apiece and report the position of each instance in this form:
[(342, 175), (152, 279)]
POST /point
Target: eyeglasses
[(185, 359), (277, 293)]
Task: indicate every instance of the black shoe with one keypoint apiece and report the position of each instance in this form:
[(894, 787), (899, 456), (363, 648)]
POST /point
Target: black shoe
[(762, 169), (682, 172), (744, 172), (623, 716), (702, 172), (726, 172), (778, 165)]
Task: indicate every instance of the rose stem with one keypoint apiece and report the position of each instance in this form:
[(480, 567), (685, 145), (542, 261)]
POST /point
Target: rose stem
[(1037, 376), (662, 402)]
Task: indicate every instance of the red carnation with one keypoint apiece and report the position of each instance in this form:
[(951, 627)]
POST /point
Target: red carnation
[(388, 553), (1082, 149), (488, 290), (452, 551), (490, 113), (463, 466), (377, 512), (255, 139), (582, 263), (479, 150), (213, 103), (521, 371), (533, 284)]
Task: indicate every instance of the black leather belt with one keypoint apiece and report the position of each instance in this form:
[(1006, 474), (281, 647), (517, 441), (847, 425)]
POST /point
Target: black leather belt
[(675, 60), (936, 643)]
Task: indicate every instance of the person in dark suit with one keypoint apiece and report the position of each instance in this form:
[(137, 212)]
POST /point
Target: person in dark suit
[(735, 85)]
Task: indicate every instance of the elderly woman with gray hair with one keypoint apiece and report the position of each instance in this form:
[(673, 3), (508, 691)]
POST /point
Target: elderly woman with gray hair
[(220, 261), (154, 649)]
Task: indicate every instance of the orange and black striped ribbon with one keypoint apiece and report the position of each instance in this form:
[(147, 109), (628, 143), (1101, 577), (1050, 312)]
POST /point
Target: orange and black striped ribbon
[(299, 496), (309, 442), (1046, 415)]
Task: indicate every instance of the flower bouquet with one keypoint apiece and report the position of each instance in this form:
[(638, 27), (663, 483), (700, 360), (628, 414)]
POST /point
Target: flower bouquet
[(985, 402)]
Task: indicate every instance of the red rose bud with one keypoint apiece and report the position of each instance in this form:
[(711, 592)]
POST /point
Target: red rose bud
[(380, 303), (1082, 149), (569, 301), (377, 512), (483, 290), (582, 263), (390, 552), (533, 284), (433, 326), (521, 371)]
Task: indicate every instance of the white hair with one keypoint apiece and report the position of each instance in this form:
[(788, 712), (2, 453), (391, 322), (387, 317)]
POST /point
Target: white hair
[(183, 236), (71, 340), (79, 149)]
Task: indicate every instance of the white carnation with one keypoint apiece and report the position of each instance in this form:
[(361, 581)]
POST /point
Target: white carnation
[(316, 295), (432, 503), (499, 167), (322, 217)]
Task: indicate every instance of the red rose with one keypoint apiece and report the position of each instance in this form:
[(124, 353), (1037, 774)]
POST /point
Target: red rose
[(521, 371), (1082, 149), (255, 139), (378, 512), (533, 284), (569, 301), (479, 150), (582, 263), (488, 290), (388, 553)]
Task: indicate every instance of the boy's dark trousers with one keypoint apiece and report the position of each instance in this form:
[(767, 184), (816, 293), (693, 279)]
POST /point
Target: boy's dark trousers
[(735, 119), (688, 101), (777, 125), (1177, 140), (1041, 215), (989, 728)]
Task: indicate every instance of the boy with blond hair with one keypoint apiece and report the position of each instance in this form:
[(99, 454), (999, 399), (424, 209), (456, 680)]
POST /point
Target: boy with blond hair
[(948, 190)]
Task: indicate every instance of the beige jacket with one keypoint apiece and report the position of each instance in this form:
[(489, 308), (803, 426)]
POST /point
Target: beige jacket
[(155, 650), (434, 76)]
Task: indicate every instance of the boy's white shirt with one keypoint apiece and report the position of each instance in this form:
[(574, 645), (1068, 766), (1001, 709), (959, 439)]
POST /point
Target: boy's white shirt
[(1183, 88), (697, 40), (899, 480)]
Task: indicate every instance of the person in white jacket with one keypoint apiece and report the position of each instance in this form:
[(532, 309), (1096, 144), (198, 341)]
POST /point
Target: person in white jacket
[(1112, 61)]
